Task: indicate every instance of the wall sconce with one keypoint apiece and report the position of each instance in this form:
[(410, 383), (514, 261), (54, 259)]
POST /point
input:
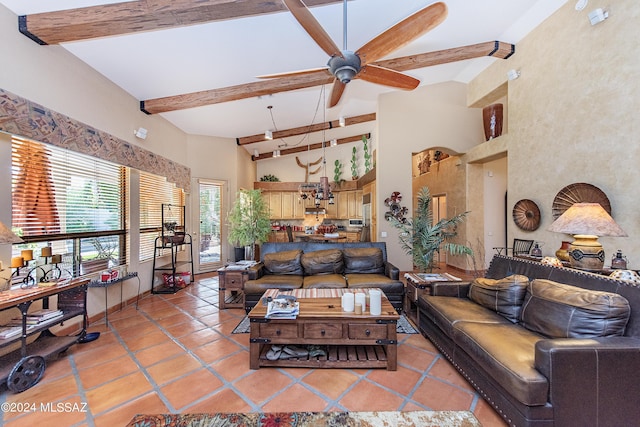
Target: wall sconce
[(597, 16), (256, 153), (140, 133), (268, 135), (334, 142), (513, 74), (342, 122)]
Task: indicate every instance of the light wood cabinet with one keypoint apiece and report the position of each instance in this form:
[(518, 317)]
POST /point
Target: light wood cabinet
[(288, 201), (371, 189), (275, 204)]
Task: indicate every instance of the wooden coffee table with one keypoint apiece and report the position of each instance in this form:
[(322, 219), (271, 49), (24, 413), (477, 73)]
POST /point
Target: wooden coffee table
[(350, 340)]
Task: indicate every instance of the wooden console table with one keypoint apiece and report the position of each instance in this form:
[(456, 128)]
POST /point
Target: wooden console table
[(351, 340)]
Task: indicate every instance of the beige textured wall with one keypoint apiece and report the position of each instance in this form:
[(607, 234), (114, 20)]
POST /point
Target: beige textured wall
[(573, 116), (409, 122)]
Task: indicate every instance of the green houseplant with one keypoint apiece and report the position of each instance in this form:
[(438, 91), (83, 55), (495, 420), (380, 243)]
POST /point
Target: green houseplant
[(422, 239), (248, 220)]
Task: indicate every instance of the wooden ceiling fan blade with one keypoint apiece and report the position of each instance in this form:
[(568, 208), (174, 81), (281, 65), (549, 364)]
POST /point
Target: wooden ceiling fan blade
[(387, 77), (403, 32), (336, 93), (319, 70), (312, 27)]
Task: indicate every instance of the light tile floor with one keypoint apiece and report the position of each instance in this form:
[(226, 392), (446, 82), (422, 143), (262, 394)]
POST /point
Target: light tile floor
[(176, 353)]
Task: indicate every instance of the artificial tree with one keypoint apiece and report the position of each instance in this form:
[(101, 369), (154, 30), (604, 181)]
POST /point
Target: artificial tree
[(422, 239), (248, 219)]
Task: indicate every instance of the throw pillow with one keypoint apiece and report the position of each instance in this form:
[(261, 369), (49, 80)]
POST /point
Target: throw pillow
[(363, 260), (504, 296), (285, 262), (328, 261), (557, 310)]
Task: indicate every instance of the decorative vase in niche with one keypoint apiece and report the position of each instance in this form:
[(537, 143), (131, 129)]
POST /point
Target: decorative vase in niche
[(492, 120)]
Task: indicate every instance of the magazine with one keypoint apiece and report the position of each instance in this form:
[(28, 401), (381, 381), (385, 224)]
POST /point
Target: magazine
[(283, 308)]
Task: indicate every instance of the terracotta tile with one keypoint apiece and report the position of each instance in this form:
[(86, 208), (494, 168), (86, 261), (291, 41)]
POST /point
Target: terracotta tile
[(152, 355), (331, 382), (487, 416), (296, 399), (50, 391), (99, 355), (148, 340), (201, 337), (402, 381), (261, 384), (217, 350), (440, 396), (186, 328), (191, 388), (225, 400), (367, 396), (420, 341), (150, 403), (232, 367), (444, 370), (117, 392), (105, 372), (415, 358), (65, 412), (174, 368)]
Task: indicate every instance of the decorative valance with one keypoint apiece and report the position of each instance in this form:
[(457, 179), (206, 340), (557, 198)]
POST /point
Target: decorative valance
[(22, 117)]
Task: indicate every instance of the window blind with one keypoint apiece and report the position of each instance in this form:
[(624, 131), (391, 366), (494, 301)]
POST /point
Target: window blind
[(154, 192)]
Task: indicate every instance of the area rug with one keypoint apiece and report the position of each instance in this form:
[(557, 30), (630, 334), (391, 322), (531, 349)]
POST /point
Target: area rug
[(310, 419), (402, 327)]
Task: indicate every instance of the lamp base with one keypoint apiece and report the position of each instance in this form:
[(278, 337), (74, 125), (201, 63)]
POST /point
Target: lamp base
[(586, 253)]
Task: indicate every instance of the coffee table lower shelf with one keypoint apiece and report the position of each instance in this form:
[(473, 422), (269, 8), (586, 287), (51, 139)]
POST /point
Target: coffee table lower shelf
[(338, 356)]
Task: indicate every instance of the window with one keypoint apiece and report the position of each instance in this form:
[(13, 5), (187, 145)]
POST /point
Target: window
[(154, 192), (71, 202)]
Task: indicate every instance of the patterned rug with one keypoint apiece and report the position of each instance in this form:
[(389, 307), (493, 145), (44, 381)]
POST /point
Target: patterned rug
[(310, 419), (402, 327)]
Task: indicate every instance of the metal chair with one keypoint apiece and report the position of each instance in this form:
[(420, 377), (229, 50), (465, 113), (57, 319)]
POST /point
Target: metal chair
[(289, 233), (520, 247)]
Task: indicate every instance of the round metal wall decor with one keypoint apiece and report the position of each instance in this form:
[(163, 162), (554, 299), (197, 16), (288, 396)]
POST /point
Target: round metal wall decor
[(526, 215), (579, 193)]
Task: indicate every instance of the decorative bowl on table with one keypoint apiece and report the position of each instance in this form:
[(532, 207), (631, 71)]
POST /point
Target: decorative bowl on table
[(327, 229)]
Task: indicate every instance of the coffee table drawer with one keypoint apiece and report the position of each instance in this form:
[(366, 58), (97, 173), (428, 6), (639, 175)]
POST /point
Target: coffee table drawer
[(367, 331), (322, 330), (278, 330)]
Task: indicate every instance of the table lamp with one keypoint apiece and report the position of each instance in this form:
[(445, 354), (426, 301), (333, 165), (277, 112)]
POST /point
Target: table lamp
[(587, 221)]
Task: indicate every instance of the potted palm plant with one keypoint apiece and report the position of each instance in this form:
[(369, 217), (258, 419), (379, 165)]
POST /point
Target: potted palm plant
[(422, 239), (248, 220)]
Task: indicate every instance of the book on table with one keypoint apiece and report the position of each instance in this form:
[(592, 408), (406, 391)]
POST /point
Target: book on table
[(8, 331), (37, 317), (283, 308)]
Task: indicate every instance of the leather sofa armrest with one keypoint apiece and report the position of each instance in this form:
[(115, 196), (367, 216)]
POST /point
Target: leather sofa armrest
[(256, 271), (450, 289), (391, 271), (592, 381)]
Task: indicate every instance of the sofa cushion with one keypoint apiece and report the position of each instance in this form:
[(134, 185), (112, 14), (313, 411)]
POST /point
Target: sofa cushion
[(328, 261), (285, 262), (507, 353), (272, 281), (504, 296), (558, 310), (324, 281), (446, 311), (387, 285), (363, 260)]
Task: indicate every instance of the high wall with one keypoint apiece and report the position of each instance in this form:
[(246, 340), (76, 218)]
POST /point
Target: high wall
[(573, 117)]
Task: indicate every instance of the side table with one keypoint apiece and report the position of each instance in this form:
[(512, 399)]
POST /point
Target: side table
[(418, 284), (105, 285), (231, 287)]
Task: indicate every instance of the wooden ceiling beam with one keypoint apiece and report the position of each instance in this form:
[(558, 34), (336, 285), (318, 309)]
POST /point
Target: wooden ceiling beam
[(302, 130), (319, 145), (142, 15), (494, 49)]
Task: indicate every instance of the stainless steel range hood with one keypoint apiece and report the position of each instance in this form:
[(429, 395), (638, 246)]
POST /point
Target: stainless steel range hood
[(314, 211)]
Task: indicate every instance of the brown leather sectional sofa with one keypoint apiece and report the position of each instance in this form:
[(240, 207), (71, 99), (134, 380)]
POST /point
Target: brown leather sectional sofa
[(545, 346), (296, 265)]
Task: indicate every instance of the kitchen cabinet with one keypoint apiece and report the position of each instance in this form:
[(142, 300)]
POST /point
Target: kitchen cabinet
[(349, 204), (370, 188), (275, 204)]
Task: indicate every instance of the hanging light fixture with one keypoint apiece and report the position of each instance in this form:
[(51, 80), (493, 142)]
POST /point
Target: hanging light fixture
[(268, 135), (342, 122)]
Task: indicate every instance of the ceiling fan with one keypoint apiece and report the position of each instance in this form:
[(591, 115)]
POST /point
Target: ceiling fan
[(346, 65)]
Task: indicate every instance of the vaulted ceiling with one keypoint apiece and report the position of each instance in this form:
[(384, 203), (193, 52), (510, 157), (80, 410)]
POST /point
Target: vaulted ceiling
[(196, 62)]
